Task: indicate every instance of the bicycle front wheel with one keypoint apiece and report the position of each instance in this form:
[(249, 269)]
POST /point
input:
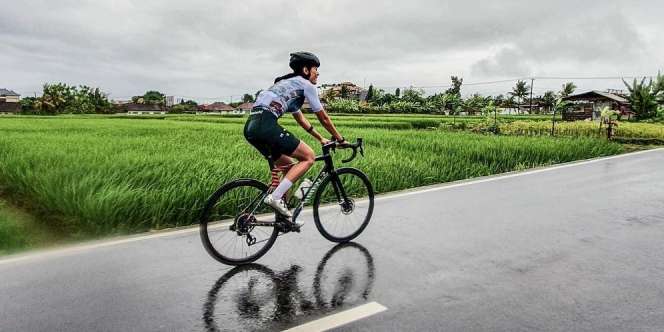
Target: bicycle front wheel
[(235, 226), (343, 205)]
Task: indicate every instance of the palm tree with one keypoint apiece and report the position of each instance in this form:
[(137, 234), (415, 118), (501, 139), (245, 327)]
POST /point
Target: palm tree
[(549, 100), (659, 88), (560, 106), (474, 104), (520, 90), (499, 100), (642, 98), (568, 89), (510, 102)]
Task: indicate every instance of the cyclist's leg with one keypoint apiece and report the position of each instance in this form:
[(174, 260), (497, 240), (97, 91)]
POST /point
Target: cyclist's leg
[(306, 157), (284, 161), (279, 167), (286, 144)]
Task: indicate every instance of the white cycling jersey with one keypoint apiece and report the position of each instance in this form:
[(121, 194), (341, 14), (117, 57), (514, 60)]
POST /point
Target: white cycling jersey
[(288, 95)]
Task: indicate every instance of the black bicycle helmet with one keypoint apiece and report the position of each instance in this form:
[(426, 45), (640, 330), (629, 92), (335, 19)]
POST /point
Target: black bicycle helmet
[(303, 59)]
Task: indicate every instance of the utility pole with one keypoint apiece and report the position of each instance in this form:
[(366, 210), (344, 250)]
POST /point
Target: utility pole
[(532, 80), (553, 122)]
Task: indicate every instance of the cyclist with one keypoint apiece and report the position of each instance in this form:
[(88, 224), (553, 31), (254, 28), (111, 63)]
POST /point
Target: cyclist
[(261, 130)]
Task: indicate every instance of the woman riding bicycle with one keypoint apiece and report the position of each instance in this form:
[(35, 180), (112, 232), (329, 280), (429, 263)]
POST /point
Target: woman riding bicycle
[(277, 144)]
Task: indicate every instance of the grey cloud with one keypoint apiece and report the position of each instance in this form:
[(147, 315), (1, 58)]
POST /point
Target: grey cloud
[(216, 48), (602, 36), (508, 61)]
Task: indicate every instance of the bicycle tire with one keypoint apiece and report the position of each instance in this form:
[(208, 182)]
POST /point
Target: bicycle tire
[(331, 180), (318, 283), (214, 294), (204, 220)]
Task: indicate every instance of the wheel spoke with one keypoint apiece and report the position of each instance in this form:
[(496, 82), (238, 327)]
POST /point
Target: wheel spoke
[(342, 221), (228, 225)]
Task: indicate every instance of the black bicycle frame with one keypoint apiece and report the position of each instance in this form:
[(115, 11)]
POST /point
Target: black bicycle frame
[(328, 168)]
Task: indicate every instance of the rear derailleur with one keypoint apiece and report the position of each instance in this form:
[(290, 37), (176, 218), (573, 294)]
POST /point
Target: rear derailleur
[(243, 227)]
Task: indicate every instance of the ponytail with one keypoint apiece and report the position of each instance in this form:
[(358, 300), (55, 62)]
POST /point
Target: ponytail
[(298, 72), (287, 76)]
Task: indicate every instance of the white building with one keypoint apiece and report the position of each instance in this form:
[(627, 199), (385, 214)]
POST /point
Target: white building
[(9, 96), (9, 102), (170, 101)]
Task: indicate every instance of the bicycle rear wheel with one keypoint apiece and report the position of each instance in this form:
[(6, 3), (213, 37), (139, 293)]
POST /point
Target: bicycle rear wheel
[(235, 226), (343, 205)]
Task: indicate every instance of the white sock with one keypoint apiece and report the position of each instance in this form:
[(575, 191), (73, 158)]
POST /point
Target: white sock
[(281, 189)]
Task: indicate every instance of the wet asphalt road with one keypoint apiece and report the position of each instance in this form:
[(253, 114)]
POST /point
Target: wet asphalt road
[(570, 249)]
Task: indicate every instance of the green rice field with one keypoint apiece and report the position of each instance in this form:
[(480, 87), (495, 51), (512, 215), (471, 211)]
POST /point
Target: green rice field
[(96, 176), (584, 128)]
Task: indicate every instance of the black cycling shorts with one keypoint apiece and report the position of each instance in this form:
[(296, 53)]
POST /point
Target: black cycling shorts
[(266, 135)]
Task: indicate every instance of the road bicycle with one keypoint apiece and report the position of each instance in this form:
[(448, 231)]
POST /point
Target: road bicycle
[(236, 227)]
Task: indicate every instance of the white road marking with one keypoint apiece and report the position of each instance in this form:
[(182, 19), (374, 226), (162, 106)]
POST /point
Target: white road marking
[(192, 229), (341, 318)]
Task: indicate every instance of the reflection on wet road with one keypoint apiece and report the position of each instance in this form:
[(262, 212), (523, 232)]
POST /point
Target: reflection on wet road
[(255, 297)]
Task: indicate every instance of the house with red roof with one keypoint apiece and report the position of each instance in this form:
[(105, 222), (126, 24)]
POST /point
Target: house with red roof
[(244, 108), (216, 108)]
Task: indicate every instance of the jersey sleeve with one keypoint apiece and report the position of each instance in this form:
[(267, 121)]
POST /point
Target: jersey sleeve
[(311, 94)]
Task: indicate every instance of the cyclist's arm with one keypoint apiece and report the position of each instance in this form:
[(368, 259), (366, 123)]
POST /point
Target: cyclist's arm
[(311, 94), (306, 125), (329, 126)]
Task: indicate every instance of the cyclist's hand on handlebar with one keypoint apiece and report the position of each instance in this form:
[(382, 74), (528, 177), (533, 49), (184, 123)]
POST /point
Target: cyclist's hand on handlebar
[(343, 144), (324, 141)]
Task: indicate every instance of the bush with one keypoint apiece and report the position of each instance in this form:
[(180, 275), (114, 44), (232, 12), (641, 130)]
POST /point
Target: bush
[(404, 107), (182, 108), (373, 109), (343, 106)]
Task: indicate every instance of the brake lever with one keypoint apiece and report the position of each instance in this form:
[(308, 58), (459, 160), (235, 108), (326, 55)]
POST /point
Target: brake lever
[(361, 146)]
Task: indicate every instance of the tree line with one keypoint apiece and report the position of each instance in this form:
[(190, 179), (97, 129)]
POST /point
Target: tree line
[(61, 98), (448, 102), (646, 100)]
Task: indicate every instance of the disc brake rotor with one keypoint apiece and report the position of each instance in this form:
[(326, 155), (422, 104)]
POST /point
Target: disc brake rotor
[(348, 206)]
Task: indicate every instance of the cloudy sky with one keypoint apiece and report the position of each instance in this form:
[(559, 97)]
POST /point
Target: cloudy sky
[(211, 49)]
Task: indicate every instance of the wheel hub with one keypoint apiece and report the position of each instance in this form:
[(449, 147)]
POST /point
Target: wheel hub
[(243, 223), (347, 207)]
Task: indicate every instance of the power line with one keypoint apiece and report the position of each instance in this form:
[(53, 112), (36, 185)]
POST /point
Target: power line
[(438, 86), (519, 79), (589, 78)]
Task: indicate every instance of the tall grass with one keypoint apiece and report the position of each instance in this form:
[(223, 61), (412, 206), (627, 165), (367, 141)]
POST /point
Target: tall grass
[(109, 176), (12, 234), (584, 128), (19, 230)]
